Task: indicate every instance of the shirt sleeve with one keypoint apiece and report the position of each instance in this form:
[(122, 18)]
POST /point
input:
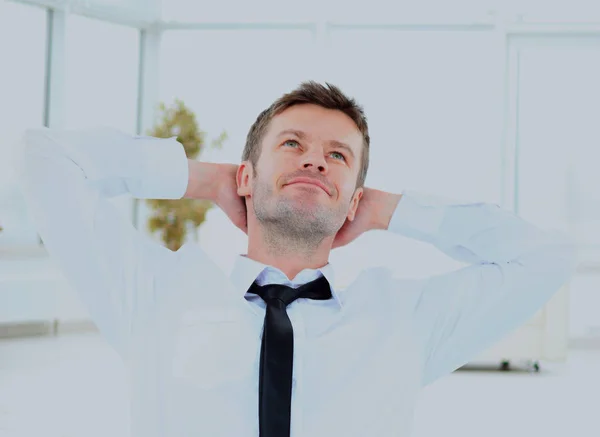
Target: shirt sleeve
[(67, 178), (513, 269)]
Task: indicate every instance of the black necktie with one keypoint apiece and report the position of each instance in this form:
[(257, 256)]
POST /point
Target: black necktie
[(277, 353)]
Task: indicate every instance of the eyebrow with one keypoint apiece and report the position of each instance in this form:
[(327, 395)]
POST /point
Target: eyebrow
[(303, 136)]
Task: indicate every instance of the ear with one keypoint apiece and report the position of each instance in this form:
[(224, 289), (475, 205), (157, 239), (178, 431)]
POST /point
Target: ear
[(354, 203), (244, 178)]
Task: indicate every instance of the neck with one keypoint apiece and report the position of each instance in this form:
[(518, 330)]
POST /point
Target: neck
[(283, 251)]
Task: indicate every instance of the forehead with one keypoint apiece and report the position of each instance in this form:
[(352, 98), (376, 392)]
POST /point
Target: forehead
[(318, 123)]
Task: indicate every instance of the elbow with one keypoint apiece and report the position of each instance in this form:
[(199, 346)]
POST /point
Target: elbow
[(32, 138), (33, 145), (34, 142)]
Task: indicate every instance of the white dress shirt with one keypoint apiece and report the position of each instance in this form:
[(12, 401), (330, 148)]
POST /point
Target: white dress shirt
[(189, 335)]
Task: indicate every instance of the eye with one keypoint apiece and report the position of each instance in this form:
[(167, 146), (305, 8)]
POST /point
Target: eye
[(291, 142), (340, 156)]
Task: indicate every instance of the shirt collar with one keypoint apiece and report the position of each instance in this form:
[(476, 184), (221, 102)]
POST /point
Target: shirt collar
[(245, 271)]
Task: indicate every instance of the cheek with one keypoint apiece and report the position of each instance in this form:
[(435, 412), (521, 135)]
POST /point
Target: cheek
[(345, 193), (265, 181), (347, 188)]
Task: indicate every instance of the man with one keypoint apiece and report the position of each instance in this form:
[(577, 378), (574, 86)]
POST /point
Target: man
[(276, 349)]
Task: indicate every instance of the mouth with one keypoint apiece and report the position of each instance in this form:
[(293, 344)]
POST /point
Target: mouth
[(310, 181)]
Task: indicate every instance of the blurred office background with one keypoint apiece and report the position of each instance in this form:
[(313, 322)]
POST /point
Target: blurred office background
[(491, 100)]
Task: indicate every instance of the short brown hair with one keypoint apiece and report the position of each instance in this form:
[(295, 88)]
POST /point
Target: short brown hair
[(327, 96)]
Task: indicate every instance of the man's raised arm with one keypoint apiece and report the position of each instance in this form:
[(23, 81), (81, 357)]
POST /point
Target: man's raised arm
[(515, 268), (66, 178)]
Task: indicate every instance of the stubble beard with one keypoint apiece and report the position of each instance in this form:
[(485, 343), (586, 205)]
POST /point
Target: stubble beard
[(297, 224)]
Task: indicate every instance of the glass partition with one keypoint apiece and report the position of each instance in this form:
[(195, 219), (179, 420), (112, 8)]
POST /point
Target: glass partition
[(22, 75)]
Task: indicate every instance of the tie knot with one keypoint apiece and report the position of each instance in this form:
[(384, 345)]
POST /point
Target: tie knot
[(318, 289)]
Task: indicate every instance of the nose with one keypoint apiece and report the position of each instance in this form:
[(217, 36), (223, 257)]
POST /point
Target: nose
[(315, 161)]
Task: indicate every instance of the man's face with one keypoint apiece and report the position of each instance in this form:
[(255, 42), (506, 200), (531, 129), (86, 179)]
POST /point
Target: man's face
[(304, 183)]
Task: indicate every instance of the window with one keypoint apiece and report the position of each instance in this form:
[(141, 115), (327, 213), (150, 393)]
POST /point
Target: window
[(101, 74), (22, 48)]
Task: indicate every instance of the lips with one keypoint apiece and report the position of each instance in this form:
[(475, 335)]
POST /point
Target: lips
[(310, 181)]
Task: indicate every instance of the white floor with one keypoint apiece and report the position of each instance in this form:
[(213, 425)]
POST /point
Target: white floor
[(72, 386)]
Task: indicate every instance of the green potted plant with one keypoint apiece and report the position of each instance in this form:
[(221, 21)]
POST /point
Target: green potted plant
[(174, 219)]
